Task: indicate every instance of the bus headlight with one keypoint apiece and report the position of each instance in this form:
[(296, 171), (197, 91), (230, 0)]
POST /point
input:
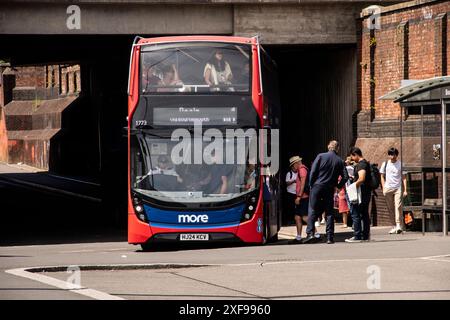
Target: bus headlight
[(139, 209), (250, 208)]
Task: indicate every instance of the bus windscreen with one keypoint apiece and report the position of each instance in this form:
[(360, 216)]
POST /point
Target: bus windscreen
[(195, 68)]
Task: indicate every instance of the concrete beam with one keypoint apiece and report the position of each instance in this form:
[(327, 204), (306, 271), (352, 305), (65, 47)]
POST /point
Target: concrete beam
[(379, 2), (278, 22), (40, 18), (293, 24)]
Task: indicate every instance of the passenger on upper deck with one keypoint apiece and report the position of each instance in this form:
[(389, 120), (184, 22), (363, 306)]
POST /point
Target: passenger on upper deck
[(149, 79), (170, 78), (217, 71), (242, 78)]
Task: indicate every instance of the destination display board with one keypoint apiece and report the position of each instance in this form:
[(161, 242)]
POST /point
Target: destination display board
[(189, 115)]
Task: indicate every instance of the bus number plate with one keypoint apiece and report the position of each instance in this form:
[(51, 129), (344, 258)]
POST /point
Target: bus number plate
[(194, 237)]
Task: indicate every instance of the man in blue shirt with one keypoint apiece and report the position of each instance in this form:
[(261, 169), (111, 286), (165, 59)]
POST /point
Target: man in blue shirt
[(324, 178)]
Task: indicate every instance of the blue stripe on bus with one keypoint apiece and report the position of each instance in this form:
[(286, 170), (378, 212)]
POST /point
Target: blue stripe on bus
[(197, 219), (183, 226)]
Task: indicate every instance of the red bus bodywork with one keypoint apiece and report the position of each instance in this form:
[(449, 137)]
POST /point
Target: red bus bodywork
[(140, 232)]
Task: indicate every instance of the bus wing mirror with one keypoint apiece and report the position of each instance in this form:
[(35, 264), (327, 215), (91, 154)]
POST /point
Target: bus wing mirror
[(125, 132)]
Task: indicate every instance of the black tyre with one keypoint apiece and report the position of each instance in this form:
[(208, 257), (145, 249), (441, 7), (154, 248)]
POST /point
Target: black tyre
[(274, 238), (146, 247)]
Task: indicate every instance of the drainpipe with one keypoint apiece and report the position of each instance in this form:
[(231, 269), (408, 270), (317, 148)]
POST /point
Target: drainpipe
[(444, 166)]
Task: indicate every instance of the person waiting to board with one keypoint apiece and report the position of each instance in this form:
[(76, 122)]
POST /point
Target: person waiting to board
[(344, 204), (301, 195), (291, 189), (325, 173), (393, 183), (360, 211)]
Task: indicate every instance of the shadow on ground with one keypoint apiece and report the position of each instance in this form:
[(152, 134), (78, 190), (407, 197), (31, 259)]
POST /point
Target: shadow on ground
[(35, 217)]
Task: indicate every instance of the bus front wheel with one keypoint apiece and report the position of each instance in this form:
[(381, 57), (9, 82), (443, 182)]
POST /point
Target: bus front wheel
[(146, 247)]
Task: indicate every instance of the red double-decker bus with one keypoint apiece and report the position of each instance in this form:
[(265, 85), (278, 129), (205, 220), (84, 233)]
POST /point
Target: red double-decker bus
[(184, 93)]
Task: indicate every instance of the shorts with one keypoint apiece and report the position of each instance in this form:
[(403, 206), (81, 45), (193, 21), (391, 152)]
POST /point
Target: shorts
[(302, 208), (291, 207)]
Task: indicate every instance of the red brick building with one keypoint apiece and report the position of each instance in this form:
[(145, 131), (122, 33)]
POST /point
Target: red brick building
[(32, 102), (406, 41)]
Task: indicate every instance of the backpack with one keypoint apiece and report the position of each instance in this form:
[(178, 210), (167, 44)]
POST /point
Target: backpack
[(375, 176), (290, 174), (384, 168)]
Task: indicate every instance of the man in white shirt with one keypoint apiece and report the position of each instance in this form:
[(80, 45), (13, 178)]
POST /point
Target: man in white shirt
[(391, 181), (291, 183)]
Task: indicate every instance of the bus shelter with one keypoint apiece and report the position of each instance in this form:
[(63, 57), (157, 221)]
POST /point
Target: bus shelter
[(424, 142)]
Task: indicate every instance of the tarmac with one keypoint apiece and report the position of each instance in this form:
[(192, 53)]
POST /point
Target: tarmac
[(33, 178)]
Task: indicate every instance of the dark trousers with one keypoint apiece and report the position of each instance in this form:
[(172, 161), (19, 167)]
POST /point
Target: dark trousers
[(361, 219), (320, 200)]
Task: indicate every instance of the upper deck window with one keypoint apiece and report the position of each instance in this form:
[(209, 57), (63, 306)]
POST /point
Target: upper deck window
[(195, 67)]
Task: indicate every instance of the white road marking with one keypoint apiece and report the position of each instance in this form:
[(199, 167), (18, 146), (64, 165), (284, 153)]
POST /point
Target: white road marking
[(436, 258), (78, 251), (93, 250), (91, 293)]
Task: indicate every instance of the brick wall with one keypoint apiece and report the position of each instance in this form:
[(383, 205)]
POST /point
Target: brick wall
[(7, 82), (32, 116), (411, 43), (31, 77)]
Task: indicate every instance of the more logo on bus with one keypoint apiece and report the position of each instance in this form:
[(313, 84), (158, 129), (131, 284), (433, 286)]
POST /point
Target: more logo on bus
[(192, 218)]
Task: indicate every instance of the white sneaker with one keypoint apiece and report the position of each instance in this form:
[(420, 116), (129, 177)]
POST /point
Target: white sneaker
[(395, 231), (352, 240), (317, 235), (317, 224), (323, 221)]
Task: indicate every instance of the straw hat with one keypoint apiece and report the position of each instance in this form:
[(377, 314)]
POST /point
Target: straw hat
[(294, 159), (350, 161)]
